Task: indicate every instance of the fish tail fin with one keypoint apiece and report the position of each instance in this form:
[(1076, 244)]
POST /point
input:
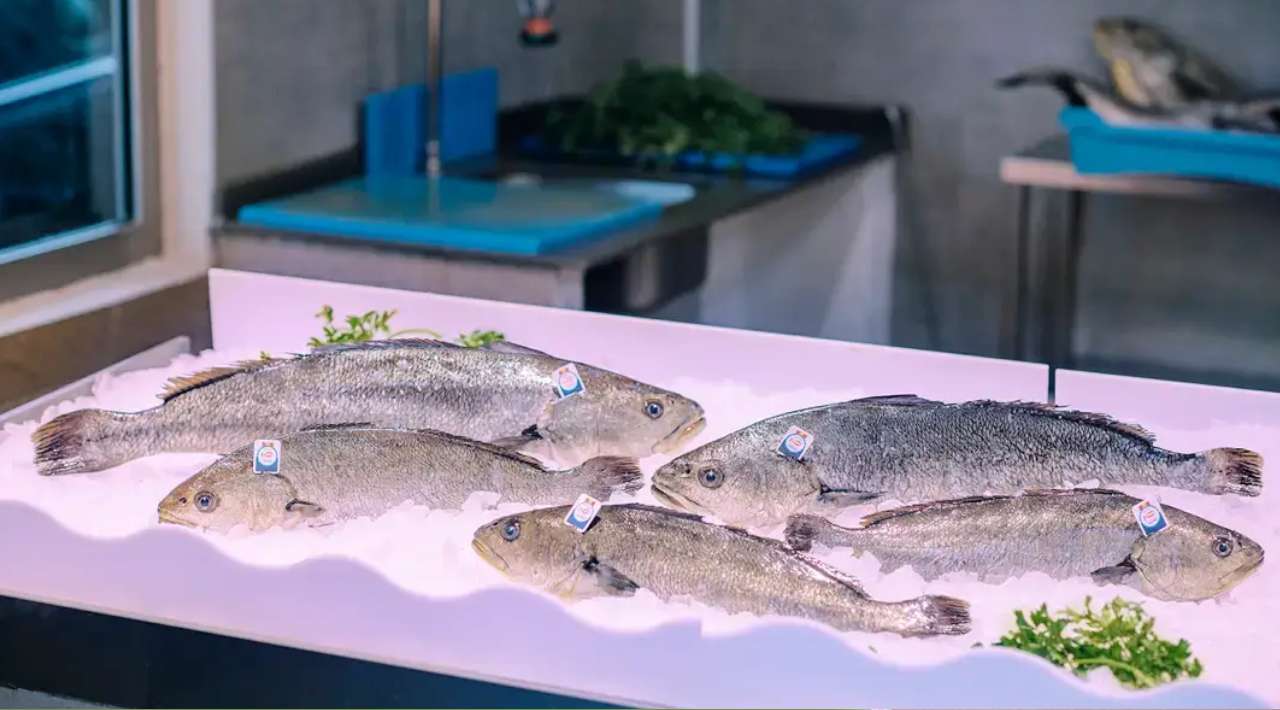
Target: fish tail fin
[(1063, 81), (605, 475), (933, 615), (804, 530), (1231, 470), (81, 441)]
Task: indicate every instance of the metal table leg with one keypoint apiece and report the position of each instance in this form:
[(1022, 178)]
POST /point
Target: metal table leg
[(1071, 275), (1022, 277)]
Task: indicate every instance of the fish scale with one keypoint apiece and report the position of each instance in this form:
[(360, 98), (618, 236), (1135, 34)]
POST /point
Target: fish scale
[(677, 556), (906, 448), (413, 384), (1064, 534)]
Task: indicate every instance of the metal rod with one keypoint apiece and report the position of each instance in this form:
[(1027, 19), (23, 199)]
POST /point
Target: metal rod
[(435, 82)]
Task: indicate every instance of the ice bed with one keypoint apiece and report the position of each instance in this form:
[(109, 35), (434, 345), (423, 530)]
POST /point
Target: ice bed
[(406, 590)]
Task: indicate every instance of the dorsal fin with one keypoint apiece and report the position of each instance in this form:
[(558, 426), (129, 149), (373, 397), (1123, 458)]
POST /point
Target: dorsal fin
[(389, 344), (665, 511), (827, 570), (484, 446), (339, 426), (897, 400), (1072, 415), (883, 515), (183, 384)]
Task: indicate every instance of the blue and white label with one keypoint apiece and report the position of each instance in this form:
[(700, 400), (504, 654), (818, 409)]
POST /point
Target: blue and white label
[(583, 513), (567, 382), (795, 443), (266, 456), (1150, 517)]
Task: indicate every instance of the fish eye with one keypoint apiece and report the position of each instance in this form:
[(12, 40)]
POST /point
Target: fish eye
[(710, 478), (653, 408), (511, 530), (206, 501), (1222, 547)]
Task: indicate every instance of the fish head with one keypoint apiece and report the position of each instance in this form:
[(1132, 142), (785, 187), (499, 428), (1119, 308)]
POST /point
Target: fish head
[(739, 479), (227, 494), (617, 415), (1127, 37), (535, 547), (1194, 559)]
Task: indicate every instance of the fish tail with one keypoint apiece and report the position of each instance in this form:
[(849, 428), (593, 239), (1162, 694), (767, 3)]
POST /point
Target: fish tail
[(82, 441), (933, 615), (604, 475), (804, 530), (1230, 470)]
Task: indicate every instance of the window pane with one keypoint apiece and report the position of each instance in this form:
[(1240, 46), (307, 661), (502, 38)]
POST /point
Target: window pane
[(63, 155), (39, 35)]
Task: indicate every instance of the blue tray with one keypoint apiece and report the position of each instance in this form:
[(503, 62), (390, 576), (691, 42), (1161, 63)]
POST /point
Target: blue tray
[(1097, 147), (822, 150), (460, 213)]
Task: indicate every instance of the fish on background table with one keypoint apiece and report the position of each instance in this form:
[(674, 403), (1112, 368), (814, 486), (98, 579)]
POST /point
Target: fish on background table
[(1151, 69), (905, 448), (677, 555), (1066, 533), (340, 472), (504, 396)]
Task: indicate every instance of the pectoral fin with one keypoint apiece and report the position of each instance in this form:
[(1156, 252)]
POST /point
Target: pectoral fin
[(519, 441), (1115, 574), (593, 578), (844, 497), (303, 508)]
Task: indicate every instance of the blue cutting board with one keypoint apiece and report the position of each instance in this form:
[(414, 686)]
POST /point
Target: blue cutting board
[(1097, 147), (821, 150), (455, 213)]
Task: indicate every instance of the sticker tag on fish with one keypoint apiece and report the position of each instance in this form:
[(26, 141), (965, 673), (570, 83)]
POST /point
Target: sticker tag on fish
[(583, 513), (795, 443), (1150, 517), (266, 456), (567, 382)]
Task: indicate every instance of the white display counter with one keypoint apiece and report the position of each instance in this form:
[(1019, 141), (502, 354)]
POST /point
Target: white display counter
[(340, 605)]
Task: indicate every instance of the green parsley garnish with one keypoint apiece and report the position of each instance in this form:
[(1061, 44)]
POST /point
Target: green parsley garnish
[(1119, 636)]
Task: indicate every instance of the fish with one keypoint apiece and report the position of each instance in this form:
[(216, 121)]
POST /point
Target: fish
[(1152, 70), (910, 449), (1256, 115), (506, 397), (332, 473), (678, 556), (1062, 533)]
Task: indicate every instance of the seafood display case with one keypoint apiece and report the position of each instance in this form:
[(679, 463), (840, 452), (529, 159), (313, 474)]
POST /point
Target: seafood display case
[(404, 587)]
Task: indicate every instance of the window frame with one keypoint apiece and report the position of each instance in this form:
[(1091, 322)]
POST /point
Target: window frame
[(69, 256)]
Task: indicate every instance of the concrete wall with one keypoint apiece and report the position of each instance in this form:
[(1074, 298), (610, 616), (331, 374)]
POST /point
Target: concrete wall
[(1181, 285)]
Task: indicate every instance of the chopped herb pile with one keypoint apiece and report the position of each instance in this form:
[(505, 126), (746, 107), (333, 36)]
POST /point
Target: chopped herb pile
[(479, 338), (659, 112), (1119, 636), (360, 328)]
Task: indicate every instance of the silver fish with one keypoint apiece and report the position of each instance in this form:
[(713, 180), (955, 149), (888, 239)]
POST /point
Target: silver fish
[(1071, 533), (334, 473), (676, 555), (910, 449), (505, 396), (1257, 115), (1153, 70)]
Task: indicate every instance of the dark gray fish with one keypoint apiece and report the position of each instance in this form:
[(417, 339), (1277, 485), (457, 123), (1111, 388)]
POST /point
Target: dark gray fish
[(675, 555), (334, 473), (505, 395), (1153, 70), (1259, 115), (1071, 533), (910, 449)]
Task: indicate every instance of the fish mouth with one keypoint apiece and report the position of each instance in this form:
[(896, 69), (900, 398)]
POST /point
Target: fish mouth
[(673, 441), (488, 555), (674, 500), (1235, 576), (167, 517)]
